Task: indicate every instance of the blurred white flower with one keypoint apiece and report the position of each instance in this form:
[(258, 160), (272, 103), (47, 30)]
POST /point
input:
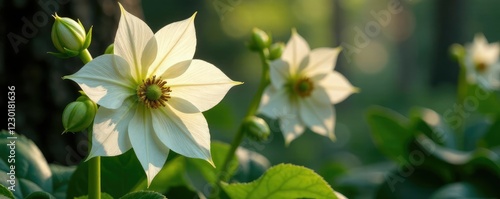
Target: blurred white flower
[(481, 62), (151, 94), (303, 88)]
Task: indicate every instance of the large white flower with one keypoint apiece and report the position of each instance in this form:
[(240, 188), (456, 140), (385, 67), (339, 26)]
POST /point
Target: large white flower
[(303, 88), (482, 64), (151, 94)]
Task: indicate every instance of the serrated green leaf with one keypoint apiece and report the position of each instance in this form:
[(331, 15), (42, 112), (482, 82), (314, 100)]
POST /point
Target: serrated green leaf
[(283, 181), (5, 192), (389, 131), (143, 195), (119, 175)]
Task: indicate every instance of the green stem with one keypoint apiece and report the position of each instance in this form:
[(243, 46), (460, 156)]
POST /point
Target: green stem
[(94, 173), (94, 187), (462, 89), (85, 56), (264, 82)]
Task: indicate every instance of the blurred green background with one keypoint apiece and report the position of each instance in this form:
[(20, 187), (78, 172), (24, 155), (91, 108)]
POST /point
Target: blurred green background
[(406, 64)]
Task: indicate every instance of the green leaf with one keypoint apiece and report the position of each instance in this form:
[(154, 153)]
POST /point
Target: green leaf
[(444, 162), (60, 178), (460, 190), (123, 174), (389, 131), (251, 165), (103, 196), (450, 156), (195, 174), (362, 182), (473, 133), (171, 175), (32, 173), (483, 101), (483, 160), (219, 152), (283, 181), (200, 175), (5, 192), (40, 195), (409, 183), (432, 125), (451, 163), (492, 137), (143, 195), (119, 175)]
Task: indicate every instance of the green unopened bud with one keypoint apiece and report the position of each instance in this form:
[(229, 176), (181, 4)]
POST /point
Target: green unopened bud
[(110, 49), (457, 51), (257, 129), (78, 115), (68, 36), (276, 50), (260, 40)]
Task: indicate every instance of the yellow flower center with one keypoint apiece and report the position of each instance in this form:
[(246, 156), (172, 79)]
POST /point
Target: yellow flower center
[(303, 87), (154, 92), (481, 67)]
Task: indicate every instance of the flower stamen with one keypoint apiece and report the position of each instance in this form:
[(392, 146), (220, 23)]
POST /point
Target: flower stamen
[(303, 87), (153, 92), (481, 67)]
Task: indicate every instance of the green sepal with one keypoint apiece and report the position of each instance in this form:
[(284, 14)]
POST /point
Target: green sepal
[(276, 50), (88, 38), (60, 55), (110, 49), (71, 53)]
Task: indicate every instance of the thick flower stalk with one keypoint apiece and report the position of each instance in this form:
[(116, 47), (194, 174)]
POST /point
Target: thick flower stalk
[(152, 94), (481, 63), (303, 88)]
